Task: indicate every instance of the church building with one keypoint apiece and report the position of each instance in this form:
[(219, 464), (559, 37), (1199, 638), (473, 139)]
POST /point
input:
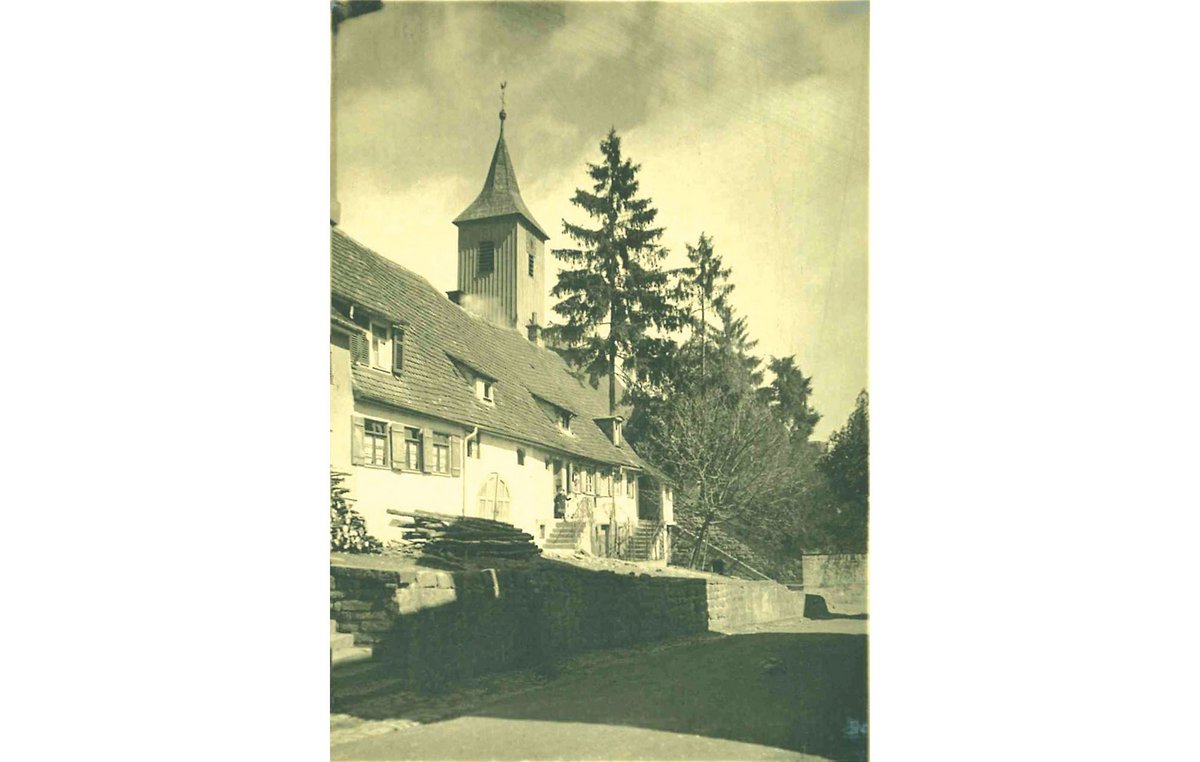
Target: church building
[(449, 402)]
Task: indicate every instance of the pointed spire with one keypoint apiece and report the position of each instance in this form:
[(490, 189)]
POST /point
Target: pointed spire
[(501, 196)]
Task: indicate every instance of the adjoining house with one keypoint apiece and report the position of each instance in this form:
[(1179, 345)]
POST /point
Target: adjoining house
[(450, 403)]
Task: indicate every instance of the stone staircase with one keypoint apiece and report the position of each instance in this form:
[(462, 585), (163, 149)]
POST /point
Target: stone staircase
[(342, 649), (641, 545), (564, 537)]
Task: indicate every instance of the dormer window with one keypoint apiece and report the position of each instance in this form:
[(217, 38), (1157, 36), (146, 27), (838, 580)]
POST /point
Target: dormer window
[(385, 350), (381, 346), (487, 258), (564, 420), (611, 426), (484, 389)]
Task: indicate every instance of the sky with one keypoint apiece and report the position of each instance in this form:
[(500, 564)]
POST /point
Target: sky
[(749, 121)]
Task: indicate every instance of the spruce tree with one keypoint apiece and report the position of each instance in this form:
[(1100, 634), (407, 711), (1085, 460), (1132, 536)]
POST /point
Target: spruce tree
[(614, 294), (706, 282), (788, 394)]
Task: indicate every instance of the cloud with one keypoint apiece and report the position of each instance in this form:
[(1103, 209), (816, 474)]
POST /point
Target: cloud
[(750, 122)]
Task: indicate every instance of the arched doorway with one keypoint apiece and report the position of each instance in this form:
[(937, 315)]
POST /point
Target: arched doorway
[(495, 502)]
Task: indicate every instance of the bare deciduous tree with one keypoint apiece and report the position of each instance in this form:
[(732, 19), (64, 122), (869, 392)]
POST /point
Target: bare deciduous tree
[(728, 455)]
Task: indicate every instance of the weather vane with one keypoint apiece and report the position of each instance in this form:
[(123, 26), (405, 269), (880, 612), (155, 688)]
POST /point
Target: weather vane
[(503, 85)]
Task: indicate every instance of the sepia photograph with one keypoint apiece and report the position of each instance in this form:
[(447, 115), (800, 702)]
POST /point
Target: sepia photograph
[(635, 311), (599, 410)]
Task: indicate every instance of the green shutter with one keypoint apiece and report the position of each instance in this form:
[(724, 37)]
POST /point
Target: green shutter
[(356, 440), (455, 455), (396, 447), (426, 450)]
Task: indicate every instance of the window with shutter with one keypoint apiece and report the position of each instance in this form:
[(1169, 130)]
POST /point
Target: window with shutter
[(455, 455), (381, 351), (441, 454), (375, 443), (412, 448)]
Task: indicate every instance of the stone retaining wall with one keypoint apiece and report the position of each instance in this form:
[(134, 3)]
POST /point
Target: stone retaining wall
[(735, 602), (839, 579), (439, 625)]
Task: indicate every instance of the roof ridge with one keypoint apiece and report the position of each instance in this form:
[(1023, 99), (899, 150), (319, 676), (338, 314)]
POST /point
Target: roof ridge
[(444, 333), (507, 333)]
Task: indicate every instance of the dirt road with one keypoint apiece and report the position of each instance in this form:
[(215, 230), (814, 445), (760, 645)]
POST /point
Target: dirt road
[(788, 690)]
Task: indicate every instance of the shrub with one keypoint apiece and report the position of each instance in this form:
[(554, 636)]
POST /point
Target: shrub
[(347, 530)]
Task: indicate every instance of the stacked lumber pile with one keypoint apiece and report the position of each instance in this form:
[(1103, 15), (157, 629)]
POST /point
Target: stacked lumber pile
[(462, 536)]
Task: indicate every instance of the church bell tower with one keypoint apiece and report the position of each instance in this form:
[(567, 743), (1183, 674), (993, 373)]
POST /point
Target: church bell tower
[(501, 249)]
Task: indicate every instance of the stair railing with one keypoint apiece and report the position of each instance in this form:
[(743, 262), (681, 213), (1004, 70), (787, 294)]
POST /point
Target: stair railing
[(737, 561)]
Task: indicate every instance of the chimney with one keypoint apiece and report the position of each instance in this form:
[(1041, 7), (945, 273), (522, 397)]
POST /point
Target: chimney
[(534, 331)]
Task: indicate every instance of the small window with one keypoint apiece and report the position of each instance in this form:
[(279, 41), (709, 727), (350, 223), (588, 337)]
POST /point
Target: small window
[(412, 448), (381, 351), (520, 456), (531, 264), (589, 482), (374, 443), (441, 454), (487, 257), (564, 420), (485, 389)]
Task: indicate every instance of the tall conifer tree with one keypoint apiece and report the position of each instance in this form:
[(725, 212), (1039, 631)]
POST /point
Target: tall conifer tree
[(706, 282), (615, 292), (789, 394)]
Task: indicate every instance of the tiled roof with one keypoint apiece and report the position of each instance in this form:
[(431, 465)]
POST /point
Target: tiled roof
[(436, 330), (500, 195), (341, 321)]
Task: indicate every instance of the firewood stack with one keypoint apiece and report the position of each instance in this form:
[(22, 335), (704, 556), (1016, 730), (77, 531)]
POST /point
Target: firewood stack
[(462, 536)]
